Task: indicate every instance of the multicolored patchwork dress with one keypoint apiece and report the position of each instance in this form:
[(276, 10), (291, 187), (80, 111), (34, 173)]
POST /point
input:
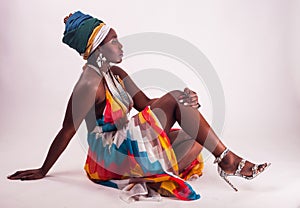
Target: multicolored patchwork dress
[(134, 154)]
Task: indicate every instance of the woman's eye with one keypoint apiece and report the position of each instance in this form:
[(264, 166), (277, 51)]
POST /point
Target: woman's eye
[(114, 41)]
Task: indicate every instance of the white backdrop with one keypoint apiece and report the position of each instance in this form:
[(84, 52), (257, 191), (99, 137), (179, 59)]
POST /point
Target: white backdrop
[(253, 46)]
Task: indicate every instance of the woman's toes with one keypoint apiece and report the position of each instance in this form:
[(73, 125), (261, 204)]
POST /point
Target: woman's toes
[(262, 167)]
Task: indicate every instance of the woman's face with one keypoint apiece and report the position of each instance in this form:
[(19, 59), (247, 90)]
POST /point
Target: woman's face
[(111, 48)]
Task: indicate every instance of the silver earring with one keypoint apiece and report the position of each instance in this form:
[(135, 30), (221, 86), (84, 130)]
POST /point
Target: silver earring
[(100, 60)]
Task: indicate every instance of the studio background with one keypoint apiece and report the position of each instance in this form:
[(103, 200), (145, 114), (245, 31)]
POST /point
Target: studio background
[(252, 45)]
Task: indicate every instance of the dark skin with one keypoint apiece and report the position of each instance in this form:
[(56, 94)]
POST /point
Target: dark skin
[(87, 102)]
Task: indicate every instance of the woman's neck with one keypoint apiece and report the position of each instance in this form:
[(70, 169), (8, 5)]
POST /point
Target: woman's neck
[(104, 68)]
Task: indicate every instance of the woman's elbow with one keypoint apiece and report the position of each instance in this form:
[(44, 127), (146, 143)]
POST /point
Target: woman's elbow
[(67, 132)]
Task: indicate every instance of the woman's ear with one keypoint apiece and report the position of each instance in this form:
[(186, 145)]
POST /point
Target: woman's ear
[(99, 49), (97, 52), (93, 57)]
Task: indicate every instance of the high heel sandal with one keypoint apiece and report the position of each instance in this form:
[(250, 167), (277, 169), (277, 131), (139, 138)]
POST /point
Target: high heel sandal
[(224, 175)]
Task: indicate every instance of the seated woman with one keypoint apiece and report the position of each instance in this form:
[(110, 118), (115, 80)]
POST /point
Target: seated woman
[(141, 155)]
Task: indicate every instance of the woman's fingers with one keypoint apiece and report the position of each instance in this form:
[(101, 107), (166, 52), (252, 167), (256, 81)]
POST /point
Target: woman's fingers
[(15, 175), (193, 99), (29, 177), (26, 175), (196, 106), (189, 98), (18, 175), (187, 90)]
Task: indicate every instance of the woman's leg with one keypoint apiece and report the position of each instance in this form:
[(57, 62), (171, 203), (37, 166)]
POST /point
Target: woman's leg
[(186, 148), (168, 110)]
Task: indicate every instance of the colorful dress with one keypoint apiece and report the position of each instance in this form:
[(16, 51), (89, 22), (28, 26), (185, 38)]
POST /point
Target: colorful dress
[(135, 155)]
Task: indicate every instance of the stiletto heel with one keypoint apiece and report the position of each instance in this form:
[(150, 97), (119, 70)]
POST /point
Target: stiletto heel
[(224, 175)]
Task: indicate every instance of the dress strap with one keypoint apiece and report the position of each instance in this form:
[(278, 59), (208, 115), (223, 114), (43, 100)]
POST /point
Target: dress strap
[(95, 68), (115, 88)]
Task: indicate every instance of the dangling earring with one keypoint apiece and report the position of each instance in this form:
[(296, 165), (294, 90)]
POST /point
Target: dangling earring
[(100, 60)]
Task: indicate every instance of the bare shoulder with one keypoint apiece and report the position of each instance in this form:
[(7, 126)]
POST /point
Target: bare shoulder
[(89, 83)]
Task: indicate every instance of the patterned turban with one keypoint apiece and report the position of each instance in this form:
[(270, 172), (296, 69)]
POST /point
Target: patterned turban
[(84, 33)]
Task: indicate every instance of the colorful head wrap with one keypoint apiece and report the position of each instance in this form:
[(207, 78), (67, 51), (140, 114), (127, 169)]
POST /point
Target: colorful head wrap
[(84, 33)]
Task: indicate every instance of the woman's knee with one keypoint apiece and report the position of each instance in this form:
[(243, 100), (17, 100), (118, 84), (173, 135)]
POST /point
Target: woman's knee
[(168, 100), (175, 94), (172, 97)]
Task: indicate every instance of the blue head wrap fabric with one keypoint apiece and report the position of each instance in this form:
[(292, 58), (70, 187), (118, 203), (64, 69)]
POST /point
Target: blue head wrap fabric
[(78, 30)]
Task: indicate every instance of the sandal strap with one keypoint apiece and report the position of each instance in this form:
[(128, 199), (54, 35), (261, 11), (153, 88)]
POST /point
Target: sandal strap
[(254, 170), (240, 167), (220, 158)]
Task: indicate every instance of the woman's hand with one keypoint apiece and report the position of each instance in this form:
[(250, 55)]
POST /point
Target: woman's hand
[(189, 98), (27, 175)]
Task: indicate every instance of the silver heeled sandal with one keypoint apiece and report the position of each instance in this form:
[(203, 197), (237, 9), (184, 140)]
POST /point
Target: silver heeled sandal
[(224, 175)]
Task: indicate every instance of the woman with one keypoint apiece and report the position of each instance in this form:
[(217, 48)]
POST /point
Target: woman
[(142, 153)]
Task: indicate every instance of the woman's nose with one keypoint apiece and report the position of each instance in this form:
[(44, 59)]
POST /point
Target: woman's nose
[(120, 45)]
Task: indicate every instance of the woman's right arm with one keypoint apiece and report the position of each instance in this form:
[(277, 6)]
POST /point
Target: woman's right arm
[(82, 100)]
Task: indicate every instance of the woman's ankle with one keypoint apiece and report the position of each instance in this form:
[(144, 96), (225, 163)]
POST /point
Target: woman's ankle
[(230, 162)]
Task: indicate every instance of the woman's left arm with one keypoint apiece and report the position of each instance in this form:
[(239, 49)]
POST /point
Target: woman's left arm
[(140, 100), (188, 97)]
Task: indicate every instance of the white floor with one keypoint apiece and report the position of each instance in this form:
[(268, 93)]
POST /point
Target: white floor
[(67, 186)]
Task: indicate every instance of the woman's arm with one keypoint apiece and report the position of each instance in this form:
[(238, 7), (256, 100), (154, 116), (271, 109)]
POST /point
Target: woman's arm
[(188, 97), (140, 100), (81, 101)]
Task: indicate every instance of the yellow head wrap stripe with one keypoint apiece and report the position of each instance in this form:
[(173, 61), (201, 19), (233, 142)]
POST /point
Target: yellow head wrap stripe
[(91, 41)]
